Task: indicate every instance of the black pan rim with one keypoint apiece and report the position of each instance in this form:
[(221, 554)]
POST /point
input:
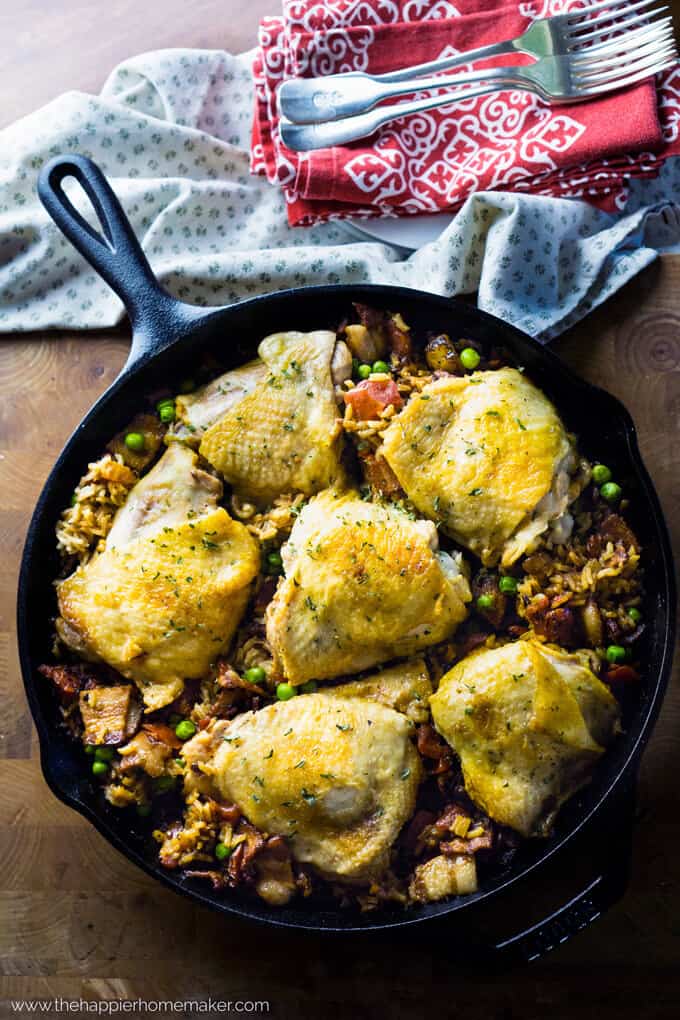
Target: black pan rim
[(411, 917)]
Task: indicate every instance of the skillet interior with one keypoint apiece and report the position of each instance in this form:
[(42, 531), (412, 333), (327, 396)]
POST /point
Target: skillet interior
[(605, 431)]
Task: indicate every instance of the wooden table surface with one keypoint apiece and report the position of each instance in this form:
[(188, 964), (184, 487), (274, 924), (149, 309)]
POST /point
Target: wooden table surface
[(76, 918)]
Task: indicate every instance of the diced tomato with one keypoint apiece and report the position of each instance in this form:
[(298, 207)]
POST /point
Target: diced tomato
[(370, 398), (621, 674)]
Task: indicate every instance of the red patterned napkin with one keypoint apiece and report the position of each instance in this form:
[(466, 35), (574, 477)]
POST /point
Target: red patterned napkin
[(434, 161)]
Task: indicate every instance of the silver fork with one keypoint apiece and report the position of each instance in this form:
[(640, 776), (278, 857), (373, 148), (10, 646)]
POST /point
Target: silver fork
[(314, 100), (574, 77)]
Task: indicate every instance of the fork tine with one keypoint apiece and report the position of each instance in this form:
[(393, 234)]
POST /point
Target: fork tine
[(585, 29), (619, 26), (597, 9), (581, 20), (627, 32), (631, 79), (622, 43), (633, 48), (643, 64)]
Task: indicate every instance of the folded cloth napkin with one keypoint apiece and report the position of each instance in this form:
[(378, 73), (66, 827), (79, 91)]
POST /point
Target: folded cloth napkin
[(171, 130), (435, 160)]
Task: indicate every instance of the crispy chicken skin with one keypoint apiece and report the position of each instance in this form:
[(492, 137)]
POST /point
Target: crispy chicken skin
[(197, 411), (338, 778), (364, 584), (528, 721), (167, 593), (483, 455), (405, 687), (283, 435)]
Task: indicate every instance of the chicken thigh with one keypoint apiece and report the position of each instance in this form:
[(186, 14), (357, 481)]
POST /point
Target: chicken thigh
[(283, 435), (487, 457), (528, 722), (337, 778), (166, 595), (364, 583)]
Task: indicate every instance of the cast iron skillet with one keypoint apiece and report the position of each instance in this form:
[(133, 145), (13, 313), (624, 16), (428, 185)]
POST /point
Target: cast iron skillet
[(168, 338)]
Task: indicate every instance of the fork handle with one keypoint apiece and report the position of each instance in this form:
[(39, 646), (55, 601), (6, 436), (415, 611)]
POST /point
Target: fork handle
[(314, 100), (448, 63), (307, 137)]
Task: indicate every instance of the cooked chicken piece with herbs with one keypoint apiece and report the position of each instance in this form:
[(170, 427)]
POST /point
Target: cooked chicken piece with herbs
[(364, 583), (405, 687), (487, 457), (175, 490), (528, 721), (283, 435), (337, 778), (197, 411), (166, 595)]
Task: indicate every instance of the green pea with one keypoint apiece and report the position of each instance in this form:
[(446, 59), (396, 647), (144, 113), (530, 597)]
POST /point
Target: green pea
[(103, 753), (485, 602), (74, 499), (180, 763), (508, 585), (163, 783), (309, 688), (616, 654), (143, 810), (185, 729), (601, 474), (469, 358), (164, 401), (380, 366), (255, 675), (611, 492), (274, 560), (364, 371), (634, 614), (99, 768), (167, 413), (222, 851), (285, 691), (135, 441)]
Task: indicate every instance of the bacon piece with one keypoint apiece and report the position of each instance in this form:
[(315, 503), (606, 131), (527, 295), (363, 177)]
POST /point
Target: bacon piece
[(162, 733), (431, 745), (379, 475), (69, 681), (240, 867), (467, 846), (229, 680), (561, 625), (150, 749), (399, 339), (612, 528), (105, 713), (370, 398)]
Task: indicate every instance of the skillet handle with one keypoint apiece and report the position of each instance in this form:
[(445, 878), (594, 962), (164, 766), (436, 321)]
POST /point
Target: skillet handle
[(157, 318), (593, 900)]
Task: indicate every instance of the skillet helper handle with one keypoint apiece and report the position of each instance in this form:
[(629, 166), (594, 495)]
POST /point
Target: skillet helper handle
[(593, 900), (115, 252)]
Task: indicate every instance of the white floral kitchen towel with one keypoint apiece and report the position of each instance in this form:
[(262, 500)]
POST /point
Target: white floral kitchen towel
[(171, 129)]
